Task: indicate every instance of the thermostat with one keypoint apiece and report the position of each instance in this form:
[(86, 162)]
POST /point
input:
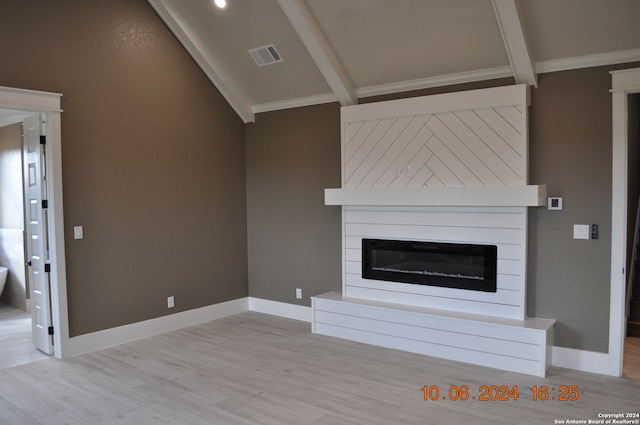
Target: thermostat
[(554, 203)]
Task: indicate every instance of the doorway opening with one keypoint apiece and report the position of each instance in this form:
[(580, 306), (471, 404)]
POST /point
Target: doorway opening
[(16, 105), (17, 240), (631, 362), (15, 308), (625, 83)]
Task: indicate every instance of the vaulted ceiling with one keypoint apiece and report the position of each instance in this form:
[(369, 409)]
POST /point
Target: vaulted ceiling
[(342, 50)]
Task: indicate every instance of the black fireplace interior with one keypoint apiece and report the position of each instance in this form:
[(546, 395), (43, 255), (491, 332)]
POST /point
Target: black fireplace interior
[(451, 265)]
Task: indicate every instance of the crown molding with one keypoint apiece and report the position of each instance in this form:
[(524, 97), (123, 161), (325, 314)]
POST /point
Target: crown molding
[(439, 81), (589, 61), (555, 65), (295, 103), (418, 84)]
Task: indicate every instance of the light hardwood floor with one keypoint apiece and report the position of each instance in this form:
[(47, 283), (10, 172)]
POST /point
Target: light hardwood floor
[(632, 358), (253, 368)]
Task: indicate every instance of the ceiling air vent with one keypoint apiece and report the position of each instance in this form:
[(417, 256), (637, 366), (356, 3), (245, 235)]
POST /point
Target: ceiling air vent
[(265, 55)]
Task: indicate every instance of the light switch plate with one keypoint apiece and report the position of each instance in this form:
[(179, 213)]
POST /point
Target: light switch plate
[(581, 231), (78, 232)]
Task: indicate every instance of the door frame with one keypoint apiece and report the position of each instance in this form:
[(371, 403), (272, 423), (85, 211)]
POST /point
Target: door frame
[(623, 83), (21, 101)]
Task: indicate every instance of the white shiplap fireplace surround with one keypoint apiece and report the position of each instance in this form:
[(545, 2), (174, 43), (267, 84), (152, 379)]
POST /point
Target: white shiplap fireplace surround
[(445, 168)]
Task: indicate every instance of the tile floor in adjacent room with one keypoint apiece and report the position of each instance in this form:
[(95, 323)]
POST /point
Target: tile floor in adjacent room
[(16, 347)]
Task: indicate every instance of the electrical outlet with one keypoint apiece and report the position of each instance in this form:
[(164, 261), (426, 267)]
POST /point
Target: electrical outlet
[(170, 302), (299, 293), (402, 170)]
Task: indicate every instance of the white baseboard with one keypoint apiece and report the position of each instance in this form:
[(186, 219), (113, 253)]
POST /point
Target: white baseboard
[(584, 361), (127, 333), (277, 308)]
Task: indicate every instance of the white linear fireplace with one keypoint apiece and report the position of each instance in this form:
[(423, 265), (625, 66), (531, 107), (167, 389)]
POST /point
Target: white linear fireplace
[(452, 170)]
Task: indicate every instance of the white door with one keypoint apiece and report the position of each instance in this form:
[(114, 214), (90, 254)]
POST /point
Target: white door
[(36, 231)]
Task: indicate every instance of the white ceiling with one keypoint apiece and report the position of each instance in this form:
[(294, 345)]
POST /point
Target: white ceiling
[(341, 50)]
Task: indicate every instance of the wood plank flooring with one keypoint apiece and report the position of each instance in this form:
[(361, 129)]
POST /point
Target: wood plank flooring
[(631, 367), (252, 368)]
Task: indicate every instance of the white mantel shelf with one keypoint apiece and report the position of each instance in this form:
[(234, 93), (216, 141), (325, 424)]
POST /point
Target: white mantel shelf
[(486, 196)]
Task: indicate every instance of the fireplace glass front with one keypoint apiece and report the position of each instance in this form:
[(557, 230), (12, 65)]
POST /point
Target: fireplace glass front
[(451, 265)]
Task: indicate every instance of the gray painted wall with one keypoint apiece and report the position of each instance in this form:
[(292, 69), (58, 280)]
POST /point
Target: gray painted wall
[(570, 151), (294, 240), (153, 159)]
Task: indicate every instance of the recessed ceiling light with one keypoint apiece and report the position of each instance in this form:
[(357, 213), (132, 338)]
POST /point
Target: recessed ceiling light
[(221, 3)]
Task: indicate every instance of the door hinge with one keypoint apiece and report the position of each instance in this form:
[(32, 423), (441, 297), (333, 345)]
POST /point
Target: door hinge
[(43, 140), (50, 330), (47, 268), (45, 204)]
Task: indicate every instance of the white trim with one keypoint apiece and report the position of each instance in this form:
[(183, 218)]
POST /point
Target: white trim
[(295, 103), (135, 331), (127, 333), (542, 67), (29, 100), (444, 102), (515, 41), (623, 83), (277, 308), (589, 61), (49, 103), (626, 80), (486, 196), (404, 86), (58, 274), (584, 361), (438, 81)]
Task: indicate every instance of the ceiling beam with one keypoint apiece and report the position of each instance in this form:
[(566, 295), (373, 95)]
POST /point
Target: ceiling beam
[(320, 50), (515, 41), (209, 65)]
